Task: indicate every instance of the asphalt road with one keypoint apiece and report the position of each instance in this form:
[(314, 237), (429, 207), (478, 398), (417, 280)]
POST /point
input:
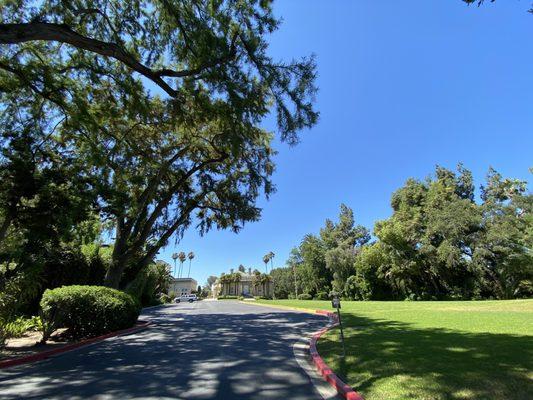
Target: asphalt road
[(205, 350)]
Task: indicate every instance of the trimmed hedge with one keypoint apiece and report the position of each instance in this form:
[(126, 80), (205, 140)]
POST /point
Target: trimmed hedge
[(87, 311), (305, 296), (228, 297)]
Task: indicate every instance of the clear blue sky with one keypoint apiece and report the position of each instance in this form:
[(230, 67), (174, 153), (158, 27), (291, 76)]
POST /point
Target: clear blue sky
[(404, 85)]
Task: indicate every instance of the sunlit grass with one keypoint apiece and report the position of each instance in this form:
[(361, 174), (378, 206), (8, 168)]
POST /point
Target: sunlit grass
[(433, 350)]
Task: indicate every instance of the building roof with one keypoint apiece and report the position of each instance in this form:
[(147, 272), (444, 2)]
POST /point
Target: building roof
[(183, 279)]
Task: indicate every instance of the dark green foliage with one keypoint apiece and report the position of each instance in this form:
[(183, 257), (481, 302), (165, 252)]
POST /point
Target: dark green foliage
[(283, 279), (150, 283), (321, 296), (193, 150), (439, 243), (87, 310), (165, 298)]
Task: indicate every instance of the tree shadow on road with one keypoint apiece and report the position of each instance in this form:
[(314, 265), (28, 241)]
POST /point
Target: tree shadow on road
[(196, 356), (393, 360)]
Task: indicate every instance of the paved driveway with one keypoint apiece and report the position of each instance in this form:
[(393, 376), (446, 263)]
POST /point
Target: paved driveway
[(205, 350)]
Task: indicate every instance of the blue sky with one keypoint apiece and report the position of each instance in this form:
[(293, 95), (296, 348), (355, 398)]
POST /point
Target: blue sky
[(404, 85)]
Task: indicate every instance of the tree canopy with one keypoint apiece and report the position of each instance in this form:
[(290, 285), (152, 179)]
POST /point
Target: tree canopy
[(157, 107), (439, 243)]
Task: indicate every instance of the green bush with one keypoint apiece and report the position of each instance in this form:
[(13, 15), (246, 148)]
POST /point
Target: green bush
[(21, 325), (321, 296), (87, 310), (305, 296), (18, 327), (241, 298), (165, 298)]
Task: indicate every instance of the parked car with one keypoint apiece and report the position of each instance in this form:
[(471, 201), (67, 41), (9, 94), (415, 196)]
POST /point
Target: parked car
[(186, 297)]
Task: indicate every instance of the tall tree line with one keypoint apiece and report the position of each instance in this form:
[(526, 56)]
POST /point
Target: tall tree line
[(439, 243)]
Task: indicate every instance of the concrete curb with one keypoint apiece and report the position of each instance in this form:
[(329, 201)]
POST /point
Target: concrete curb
[(69, 347), (342, 388)]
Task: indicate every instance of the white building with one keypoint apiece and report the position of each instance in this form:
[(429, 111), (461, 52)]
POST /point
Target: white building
[(182, 286)]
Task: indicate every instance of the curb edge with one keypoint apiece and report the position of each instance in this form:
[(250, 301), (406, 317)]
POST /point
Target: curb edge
[(12, 362), (327, 373)]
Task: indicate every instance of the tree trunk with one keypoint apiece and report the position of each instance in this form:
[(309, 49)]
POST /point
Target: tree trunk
[(114, 274), (118, 259)]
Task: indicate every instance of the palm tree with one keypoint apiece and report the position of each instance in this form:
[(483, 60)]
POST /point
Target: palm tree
[(266, 259), (271, 256), (256, 280), (236, 280), (190, 256), (265, 278), (182, 258), (223, 281), (175, 257)]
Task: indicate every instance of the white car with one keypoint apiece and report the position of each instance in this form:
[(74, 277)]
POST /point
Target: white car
[(186, 297)]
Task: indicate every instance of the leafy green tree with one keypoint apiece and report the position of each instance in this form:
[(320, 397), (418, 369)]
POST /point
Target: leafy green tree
[(439, 243), (192, 149), (184, 47), (44, 200), (503, 256), (343, 241), (284, 282), (315, 275), (294, 263)]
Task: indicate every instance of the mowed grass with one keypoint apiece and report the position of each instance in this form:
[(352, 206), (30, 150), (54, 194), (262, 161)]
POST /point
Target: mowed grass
[(432, 350)]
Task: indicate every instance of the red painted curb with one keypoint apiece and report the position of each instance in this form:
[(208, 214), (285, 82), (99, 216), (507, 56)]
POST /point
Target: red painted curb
[(342, 388), (69, 347)]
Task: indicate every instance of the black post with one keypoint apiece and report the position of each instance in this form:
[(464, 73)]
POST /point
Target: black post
[(342, 332), (336, 303)]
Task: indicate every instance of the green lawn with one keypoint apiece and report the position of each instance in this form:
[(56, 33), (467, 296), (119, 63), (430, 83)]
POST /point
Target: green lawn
[(433, 350)]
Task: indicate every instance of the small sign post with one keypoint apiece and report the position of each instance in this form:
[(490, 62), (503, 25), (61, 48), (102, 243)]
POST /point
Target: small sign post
[(336, 303)]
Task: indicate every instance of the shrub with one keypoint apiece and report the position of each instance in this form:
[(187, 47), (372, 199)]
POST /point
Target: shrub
[(227, 297), (165, 298), (241, 298), (21, 325), (305, 296), (87, 310), (321, 296), (18, 327), (358, 288), (143, 287)]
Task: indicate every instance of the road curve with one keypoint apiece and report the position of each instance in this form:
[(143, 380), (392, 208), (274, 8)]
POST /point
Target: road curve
[(206, 350)]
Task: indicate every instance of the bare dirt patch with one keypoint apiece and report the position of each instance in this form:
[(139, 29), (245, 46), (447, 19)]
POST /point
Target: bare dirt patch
[(30, 343)]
